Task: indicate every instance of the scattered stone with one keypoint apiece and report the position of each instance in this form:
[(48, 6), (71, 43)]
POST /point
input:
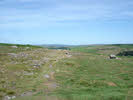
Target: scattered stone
[(13, 62), (37, 63), (9, 97), (13, 97), (22, 55), (45, 59), (14, 46), (12, 55)]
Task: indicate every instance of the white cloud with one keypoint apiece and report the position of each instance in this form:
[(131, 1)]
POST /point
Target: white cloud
[(47, 13)]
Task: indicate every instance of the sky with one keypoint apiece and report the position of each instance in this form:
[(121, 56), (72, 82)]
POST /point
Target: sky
[(71, 22)]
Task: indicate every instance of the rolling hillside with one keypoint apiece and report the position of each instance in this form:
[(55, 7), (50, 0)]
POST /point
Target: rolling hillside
[(80, 73)]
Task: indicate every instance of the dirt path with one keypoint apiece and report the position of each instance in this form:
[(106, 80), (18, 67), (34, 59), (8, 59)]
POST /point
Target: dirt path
[(48, 71), (51, 82)]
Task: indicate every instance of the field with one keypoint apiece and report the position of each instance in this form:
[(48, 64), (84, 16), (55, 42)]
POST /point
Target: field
[(80, 73)]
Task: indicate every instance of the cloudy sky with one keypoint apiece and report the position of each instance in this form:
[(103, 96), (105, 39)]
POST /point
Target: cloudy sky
[(66, 21)]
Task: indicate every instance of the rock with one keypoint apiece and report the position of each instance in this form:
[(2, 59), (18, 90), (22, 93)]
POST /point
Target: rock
[(9, 97), (14, 46), (69, 56), (46, 76), (13, 97), (28, 74), (12, 55), (112, 56), (26, 94), (36, 65), (27, 47), (45, 59), (13, 83), (22, 55), (50, 66)]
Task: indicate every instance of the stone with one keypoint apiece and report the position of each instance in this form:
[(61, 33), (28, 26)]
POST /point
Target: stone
[(13, 97), (28, 74), (12, 55), (69, 56), (46, 76), (112, 56), (27, 47), (36, 65), (26, 94), (50, 66), (9, 97), (14, 46)]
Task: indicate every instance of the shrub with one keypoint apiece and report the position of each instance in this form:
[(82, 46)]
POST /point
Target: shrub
[(10, 92), (125, 53)]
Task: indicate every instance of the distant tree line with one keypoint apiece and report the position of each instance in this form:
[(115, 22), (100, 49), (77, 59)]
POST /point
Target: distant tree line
[(20, 45), (63, 48)]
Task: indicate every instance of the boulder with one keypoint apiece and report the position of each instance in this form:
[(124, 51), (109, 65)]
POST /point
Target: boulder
[(112, 56)]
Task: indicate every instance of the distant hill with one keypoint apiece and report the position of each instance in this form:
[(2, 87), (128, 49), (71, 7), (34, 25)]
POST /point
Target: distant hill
[(57, 46), (19, 45)]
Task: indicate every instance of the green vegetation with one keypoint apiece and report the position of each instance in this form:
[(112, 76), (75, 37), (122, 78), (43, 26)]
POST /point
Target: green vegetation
[(126, 53), (127, 46), (86, 49), (19, 45), (83, 73), (93, 76), (14, 48)]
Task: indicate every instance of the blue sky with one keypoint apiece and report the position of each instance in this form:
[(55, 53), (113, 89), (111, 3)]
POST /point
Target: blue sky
[(66, 21)]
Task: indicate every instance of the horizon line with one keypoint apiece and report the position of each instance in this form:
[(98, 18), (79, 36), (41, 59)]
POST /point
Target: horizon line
[(65, 44)]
